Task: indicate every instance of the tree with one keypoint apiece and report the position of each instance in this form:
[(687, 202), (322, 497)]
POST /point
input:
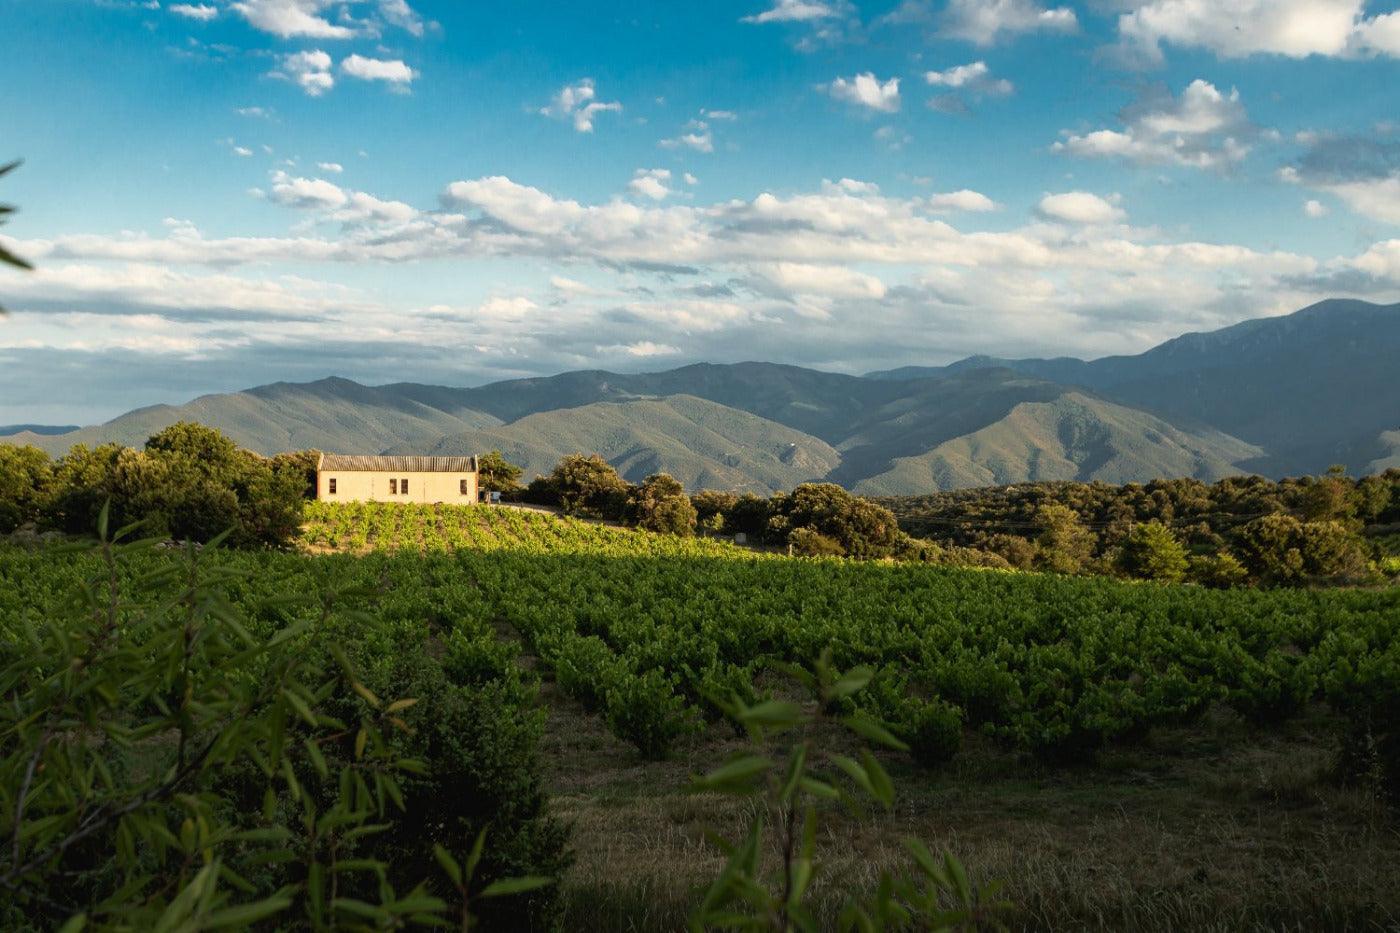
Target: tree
[(1151, 552), (1330, 497), (26, 475), (1279, 549), (862, 528), (660, 504), (497, 474), (586, 484), (1065, 544)]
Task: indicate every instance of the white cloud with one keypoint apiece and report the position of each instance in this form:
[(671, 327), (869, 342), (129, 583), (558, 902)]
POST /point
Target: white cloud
[(393, 72), (642, 349), (974, 74), (1203, 128), (260, 113), (291, 18), (695, 135), (797, 278), (310, 70), (725, 115), (651, 183), (335, 168), (1239, 28), (1363, 171), (868, 91), (965, 200), (984, 22), (690, 179), (793, 11), (1080, 207), (243, 151), (576, 101), (197, 11), (1314, 208)]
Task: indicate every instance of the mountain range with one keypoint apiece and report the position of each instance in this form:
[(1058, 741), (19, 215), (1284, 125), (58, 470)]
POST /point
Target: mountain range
[(1280, 395)]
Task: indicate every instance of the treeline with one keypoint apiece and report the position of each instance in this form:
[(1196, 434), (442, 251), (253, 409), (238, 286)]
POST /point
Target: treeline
[(189, 482), (814, 520), (1246, 529)]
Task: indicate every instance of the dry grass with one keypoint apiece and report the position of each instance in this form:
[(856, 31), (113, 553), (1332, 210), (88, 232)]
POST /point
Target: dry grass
[(1215, 828)]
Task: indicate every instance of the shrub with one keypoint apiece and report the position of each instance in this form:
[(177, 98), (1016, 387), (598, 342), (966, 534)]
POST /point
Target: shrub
[(587, 485), (861, 528), (660, 504), (1151, 552), (26, 474), (807, 542), (1065, 544), (1220, 571)]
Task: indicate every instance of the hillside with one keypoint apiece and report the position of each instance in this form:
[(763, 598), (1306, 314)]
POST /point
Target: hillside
[(1278, 396), (332, 414), (1312, 388), (1073, 437), (702, 444)]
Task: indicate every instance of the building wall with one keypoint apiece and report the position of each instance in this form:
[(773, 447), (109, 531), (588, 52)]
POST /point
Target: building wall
[(361, 486)]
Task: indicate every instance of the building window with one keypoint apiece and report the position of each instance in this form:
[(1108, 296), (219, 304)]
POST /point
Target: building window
[(403, 486), (331, 486), (393, 487), (463, 487)]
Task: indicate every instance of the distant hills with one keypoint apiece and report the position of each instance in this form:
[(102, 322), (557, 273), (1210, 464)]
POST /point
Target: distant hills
[(1283, 395)]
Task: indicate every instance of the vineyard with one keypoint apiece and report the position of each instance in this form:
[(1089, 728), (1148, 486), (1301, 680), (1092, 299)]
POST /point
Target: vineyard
[(633, 636)]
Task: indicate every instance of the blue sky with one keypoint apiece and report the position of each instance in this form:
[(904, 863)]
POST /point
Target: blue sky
[(223, 193)]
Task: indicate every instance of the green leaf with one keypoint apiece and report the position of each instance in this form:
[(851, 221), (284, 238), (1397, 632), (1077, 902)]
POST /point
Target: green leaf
[(448, 863), (245, 915), (850, 682), (873, 730), (515, 885), (772, 714), (738, 774)]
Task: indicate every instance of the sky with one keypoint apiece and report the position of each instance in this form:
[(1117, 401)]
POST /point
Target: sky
[(218, 194)]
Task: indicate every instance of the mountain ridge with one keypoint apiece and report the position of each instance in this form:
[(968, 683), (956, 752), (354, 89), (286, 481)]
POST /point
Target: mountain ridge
[(1292, 393)]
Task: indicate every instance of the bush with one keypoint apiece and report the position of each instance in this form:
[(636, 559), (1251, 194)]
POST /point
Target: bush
[(497, 474), (1279, 549), (860, 527), (806, 542), (1220, 571), (1151, 552), (660, 504), (26, 475), (1065, 544), (583, 485)]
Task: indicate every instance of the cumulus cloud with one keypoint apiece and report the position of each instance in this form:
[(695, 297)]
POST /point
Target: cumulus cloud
[(965, 82), (310, 70), (335, 168), (577, 102), (1080, 207), (291, 18), (1203, 128), (392, 72), (965, 200), (1314, 208), (695, 135), (1362, 171), (202, 12), (793, 11), (866, 90), (1239, 28), (985, 22), (651, 183)]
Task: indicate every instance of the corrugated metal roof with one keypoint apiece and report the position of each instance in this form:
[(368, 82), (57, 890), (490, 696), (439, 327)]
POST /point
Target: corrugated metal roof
[(362, 463)]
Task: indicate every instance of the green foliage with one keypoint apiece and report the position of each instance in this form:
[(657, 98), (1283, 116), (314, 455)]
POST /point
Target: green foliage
[(861, 528), (26, 476), (660, 504), (584, 485), (1065, 544), (808, 542), (1151, 552), (184, 744), (1221, 570), (190, 483), (1280, 549), (788, 795), (497, 474)]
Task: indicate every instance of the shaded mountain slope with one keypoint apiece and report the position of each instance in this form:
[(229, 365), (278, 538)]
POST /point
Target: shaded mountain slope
[(702, 444), (1072, 437)]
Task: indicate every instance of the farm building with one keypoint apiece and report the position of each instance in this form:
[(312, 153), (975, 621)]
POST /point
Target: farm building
[(355, 478)]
